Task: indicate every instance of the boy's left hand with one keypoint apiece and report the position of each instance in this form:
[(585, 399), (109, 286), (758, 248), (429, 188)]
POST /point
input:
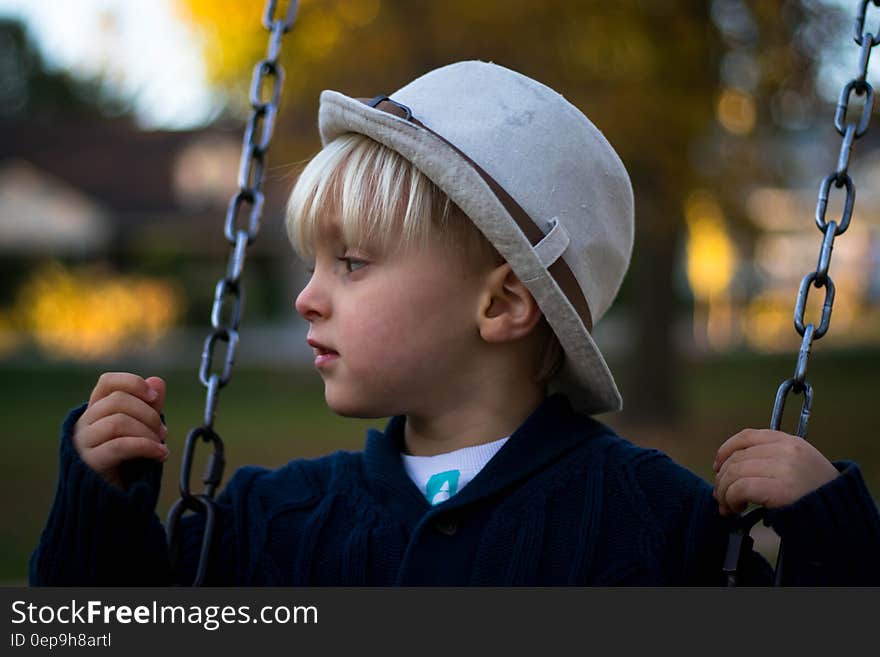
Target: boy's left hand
[(768, 468)]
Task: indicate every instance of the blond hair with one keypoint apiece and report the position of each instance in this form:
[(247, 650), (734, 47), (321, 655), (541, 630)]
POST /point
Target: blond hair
[(380, 201)]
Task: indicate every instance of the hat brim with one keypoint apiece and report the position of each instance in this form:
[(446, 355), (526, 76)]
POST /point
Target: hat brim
[(584, 377)]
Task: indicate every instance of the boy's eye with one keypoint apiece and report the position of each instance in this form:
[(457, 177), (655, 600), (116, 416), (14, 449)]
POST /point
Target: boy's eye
[(352, 264)]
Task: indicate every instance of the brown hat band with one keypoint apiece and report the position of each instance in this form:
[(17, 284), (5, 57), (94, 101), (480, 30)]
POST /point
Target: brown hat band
[(559, 270)]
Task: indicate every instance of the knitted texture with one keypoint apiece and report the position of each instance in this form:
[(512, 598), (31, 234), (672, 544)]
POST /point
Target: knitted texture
[(564, 502)]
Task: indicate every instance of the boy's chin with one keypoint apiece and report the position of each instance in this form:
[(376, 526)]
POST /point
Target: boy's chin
[(350, 407)]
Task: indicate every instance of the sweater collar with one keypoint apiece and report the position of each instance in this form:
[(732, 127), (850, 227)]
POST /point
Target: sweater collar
[(550, 431)]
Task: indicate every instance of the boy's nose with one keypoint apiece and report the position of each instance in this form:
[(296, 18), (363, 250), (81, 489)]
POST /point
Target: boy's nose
[(312, 303)]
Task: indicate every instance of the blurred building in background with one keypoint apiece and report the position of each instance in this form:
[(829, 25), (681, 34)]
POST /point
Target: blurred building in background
[(111, 239)]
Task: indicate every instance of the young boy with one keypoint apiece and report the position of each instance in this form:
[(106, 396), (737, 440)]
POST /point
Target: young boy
[(464, 236)]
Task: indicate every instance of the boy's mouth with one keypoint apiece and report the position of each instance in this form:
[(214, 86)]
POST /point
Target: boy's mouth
[(324, 355), (320, 349)]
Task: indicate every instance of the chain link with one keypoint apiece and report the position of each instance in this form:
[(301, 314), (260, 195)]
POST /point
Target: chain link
[(861, 89), (810, 332), (269, 20), (226, 311), (848, 204), (859, 35)]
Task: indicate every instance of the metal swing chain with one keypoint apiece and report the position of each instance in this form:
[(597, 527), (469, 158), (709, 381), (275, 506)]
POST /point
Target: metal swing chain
[(248, 200), (809, 332)]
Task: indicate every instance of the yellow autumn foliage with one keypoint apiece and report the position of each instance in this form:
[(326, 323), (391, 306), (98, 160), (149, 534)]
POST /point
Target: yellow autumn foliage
[(231, 31), (84, 313), (711, 257), (234, 38)]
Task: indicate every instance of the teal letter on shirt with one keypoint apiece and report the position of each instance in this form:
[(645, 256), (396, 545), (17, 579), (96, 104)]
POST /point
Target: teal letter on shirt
[(442, 486)]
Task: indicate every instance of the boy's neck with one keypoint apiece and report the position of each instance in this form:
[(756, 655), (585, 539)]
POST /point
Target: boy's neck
[(480, 419)]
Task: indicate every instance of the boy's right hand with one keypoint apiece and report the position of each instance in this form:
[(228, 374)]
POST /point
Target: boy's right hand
[(121, 423)]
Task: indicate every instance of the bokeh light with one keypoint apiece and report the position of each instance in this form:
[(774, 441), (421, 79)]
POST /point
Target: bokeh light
[(84, 313)]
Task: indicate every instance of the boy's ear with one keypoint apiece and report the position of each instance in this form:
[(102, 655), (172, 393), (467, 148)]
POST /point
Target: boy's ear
[(507, 311)]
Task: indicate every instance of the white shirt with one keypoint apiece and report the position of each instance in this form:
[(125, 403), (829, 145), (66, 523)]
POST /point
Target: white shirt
[(442, 476)]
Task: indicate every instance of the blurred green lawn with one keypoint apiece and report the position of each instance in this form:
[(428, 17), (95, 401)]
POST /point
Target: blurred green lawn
[(267, 418)]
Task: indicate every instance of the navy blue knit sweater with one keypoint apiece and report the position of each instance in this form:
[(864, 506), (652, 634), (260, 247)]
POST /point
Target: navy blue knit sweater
[(564, 502)]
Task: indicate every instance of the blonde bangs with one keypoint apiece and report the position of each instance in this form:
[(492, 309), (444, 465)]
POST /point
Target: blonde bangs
[(371, 197)]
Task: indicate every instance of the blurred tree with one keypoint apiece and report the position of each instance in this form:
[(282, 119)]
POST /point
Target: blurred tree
[(28, 88), (649, 74)]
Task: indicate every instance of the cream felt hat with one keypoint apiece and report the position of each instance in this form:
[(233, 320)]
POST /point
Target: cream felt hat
[(535, 176)]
